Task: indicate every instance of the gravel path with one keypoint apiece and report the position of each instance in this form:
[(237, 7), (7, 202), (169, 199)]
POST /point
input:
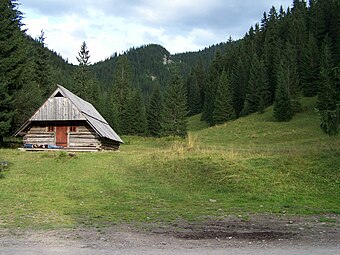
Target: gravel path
[(259, 235)]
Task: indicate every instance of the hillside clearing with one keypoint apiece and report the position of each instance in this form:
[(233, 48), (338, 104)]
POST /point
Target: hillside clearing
[(250, 166)]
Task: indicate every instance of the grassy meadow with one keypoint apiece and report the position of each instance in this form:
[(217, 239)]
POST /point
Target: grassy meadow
[(251, 165)]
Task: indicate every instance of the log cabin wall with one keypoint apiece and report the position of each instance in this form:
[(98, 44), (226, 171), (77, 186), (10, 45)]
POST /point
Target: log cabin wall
[(83, 138), (39, 135), (107, 144)]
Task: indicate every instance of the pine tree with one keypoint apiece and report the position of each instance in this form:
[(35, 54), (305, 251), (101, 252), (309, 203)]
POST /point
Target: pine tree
[(310, 67), (298, 33), (238, 80), (283, 110), (174, 110), (214, 72), (223, 108), (193, 93), (5, 111), (154, 113), (200, 76), (256, 77), (271, 47), (42, 69), (12, 58), (135, 114), (26, 100), (83, 83), (328, 105), (121, 91), (292, 78)]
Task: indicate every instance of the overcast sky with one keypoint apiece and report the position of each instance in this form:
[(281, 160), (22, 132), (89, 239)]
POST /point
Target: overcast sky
[(109, 26)]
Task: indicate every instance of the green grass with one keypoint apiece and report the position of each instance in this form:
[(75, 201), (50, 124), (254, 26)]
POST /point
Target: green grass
[(251, 165)]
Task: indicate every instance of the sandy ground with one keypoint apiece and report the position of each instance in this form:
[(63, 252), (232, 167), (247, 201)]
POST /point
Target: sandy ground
[(258, 234)]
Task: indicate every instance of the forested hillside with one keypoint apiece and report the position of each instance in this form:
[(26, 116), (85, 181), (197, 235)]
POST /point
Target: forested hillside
[(146, 91)]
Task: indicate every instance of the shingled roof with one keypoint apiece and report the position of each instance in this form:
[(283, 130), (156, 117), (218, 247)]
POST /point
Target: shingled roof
[(77, 109)]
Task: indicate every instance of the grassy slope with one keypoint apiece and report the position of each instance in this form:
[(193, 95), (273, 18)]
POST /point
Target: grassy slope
[(252, 165)]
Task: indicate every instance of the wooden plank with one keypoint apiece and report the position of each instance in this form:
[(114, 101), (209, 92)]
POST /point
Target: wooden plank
[(65, 149), (37, 129), (40, 136), (85, 129), (84, 137), (82, 145), (40, 140)]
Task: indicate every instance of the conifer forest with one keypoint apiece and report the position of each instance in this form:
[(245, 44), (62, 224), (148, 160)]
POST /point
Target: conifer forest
[(289, 54)]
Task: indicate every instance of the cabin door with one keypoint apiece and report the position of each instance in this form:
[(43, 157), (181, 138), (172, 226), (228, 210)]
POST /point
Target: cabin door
[(61, 136)]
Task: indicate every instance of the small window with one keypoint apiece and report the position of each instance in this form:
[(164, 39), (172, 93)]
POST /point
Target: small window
[(50, 129), (73, 129), (58, 95)]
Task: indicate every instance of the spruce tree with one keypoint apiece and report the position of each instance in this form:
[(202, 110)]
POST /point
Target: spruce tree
[(214, 72), (328, 105), (193, 93), (12, 58), (42, 68), (154, 113), (83, 83), (121, 91), (256, 78), (200, 76), (298, 33), (271, 48), (223, 108), (5, 111), (283, 110), (238, 80), (174, 109), (292, 78), (310, 67), (135, 115)]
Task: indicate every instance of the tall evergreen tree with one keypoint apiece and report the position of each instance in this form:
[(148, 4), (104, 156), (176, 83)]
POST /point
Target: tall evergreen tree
[(193, 93), (239, 80), (174, 110), (200, 75), (121, 91), (292, 78), (223, 108), (310, 67), (42, 70), (258, 93), (154, 113), (135, 114), (5, 111), (214, 72), (283, 110), (272, 47), (328, 105), (83, 82), (12, 58)]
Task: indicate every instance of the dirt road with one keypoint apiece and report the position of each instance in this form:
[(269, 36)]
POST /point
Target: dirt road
[(257, 235)]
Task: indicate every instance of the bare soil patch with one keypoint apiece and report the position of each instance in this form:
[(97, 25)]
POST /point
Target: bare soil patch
[(258, 228), (231, 232)]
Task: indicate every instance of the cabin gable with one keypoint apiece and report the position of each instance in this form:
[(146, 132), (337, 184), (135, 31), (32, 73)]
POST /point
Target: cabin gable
[(57, 109)]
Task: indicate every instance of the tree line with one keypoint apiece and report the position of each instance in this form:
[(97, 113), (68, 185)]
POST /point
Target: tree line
[(146, 91), (289, 54)]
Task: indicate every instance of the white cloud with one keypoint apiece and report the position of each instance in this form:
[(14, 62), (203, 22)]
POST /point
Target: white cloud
[(108, 26)]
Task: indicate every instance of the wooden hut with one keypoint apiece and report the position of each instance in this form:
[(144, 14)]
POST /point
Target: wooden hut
[(65, 121)]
